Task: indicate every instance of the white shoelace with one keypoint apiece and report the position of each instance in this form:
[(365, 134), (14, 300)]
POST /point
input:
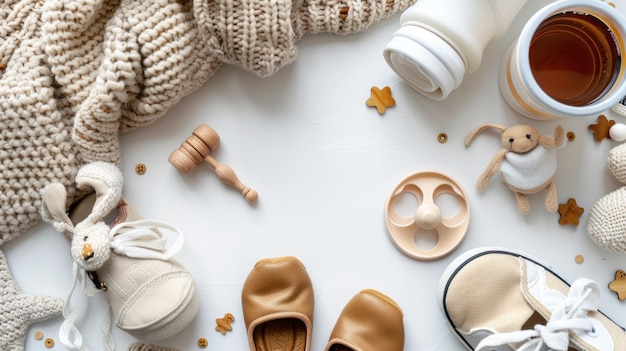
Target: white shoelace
[(571, 315), (133, 239)]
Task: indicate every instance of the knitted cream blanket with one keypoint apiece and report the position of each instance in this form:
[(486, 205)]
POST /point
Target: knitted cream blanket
[(76, 73)]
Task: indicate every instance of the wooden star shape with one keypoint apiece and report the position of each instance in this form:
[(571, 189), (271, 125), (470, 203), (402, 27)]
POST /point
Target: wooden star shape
[(381, 99), (19, 311), (619, 285), (601, 128), (223, 324), (570, 212)]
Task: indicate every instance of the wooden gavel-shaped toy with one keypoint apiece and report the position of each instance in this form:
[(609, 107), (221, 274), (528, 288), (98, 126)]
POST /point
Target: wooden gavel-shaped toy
[(196, 149)]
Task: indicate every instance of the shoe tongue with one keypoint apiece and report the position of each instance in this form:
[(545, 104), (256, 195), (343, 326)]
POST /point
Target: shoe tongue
[(535, 319), (542, 290)]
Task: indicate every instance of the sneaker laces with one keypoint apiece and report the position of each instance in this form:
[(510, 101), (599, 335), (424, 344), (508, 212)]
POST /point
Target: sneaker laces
[(136, 239), (570, 315), (142, 239), (69, 335)]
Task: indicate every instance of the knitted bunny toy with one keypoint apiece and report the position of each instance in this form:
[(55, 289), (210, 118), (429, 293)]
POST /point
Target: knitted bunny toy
[(527, 163), (606, 225), (75, 74)]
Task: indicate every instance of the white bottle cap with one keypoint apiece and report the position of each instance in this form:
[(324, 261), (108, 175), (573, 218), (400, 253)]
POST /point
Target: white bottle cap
[(428, 63)]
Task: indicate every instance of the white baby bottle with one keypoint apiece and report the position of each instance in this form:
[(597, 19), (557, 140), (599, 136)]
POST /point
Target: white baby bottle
[(440, 41)]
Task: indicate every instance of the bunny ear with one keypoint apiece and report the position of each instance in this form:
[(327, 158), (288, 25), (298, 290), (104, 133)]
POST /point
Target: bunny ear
[(53, 208), (470, 137), (106, 180)]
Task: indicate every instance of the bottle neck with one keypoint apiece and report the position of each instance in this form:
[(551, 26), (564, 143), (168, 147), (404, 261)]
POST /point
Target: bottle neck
[(428, 63)]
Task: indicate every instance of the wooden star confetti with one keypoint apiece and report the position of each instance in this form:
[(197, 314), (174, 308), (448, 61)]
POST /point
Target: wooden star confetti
[(601, 128), (570, 212), (19, 310), (619, 285), (381, 99), (223, 324)]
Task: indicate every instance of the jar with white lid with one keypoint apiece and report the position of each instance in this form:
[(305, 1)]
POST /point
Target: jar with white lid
[(440, 41), (567, 61)]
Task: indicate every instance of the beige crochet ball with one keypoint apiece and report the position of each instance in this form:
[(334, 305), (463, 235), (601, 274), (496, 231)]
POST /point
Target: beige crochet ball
[(617, 162), (607, 221)]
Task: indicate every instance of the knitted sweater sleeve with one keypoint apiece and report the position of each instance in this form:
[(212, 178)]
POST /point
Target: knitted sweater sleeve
[(152, 57)]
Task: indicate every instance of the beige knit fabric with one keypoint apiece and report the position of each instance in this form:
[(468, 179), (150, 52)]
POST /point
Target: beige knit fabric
[(607, 218), (607, 221), (35, 143), (141, 346), (617, 162), (79, 72)]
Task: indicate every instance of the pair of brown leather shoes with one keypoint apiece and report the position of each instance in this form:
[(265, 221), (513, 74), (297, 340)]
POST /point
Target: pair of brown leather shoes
[(277, 301)]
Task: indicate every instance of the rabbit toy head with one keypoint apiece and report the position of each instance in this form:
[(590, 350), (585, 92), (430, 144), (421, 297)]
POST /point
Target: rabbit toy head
[(526, 162), (90, 240), (519, 138)]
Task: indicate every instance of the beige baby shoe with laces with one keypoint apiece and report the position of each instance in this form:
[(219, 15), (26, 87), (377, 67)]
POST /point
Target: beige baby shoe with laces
[(127, 258), (500, 300)]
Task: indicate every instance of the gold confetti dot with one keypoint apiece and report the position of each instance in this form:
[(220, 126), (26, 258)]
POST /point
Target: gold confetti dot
[(38, 335), (140, 168), (49, 343), (579, 259), (442, 137), (571, 136), (203, 343)]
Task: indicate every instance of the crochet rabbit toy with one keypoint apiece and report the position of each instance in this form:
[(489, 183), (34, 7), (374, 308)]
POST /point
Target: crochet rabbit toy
[(128, 260), (606, 225), (527, 163)]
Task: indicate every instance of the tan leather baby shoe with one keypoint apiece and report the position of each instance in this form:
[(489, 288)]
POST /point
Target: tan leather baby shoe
[(277, 300), (370, 321)]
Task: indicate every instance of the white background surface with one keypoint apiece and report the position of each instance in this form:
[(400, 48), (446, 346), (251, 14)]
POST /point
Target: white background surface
[(324, 164)]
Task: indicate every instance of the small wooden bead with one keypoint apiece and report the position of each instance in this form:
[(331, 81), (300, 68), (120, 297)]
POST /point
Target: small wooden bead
[(442, 137), (49, 343)]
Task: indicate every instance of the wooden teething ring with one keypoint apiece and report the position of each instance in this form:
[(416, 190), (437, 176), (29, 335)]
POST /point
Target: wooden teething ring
[(426, 187)]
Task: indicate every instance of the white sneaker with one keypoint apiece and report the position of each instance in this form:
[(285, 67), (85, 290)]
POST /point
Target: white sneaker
[(500, 300)]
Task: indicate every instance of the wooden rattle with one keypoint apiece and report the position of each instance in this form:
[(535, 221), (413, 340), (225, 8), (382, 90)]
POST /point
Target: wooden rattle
[(196, 149)]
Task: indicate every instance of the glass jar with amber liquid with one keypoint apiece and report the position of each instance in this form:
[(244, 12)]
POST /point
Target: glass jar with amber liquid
[(567, 62)]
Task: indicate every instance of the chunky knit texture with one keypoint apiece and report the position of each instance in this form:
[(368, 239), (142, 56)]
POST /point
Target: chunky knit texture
[(35, 143), (19, 310), (78, 72), (617, 162), (141, 346), (607, 218), (607, 221)]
